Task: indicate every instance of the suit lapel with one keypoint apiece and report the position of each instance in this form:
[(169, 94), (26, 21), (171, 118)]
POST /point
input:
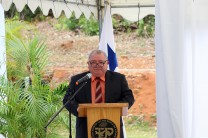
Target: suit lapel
[(88, 91), (107, 86)]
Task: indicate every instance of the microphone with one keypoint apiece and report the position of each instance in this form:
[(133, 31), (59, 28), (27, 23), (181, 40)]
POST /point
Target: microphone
[(86, 77)]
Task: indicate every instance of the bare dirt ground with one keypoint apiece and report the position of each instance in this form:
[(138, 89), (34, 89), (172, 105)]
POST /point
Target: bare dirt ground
[(136, 59)]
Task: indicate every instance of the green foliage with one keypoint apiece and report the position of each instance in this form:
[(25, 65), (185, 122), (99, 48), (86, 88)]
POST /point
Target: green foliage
[(70, 24), (25, 111), (12, 13), (61, 88), (63, 129), (136, 127), (146, 26), (13, 28), (36, 16), (135, 121), (89, 27), (120, 24), (26, 103), (25, 58), (26, 14)]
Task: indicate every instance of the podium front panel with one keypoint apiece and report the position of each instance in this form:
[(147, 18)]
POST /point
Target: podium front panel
[(103, 122)]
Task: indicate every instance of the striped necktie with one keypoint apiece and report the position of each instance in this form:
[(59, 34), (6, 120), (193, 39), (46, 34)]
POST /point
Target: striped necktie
[(98, 91)]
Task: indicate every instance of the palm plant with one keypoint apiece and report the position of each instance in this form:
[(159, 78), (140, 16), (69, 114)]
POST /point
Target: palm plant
[(26, 59), (13, 28), (26, 108), (25, 112)]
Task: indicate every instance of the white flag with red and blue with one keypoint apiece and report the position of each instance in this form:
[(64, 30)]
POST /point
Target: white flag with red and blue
[(107, 43)]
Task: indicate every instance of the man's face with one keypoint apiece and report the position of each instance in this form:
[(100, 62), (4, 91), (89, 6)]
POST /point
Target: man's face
[(98, 65)]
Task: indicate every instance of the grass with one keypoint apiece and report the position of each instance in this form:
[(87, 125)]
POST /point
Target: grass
[(135, 128), (141, 131)]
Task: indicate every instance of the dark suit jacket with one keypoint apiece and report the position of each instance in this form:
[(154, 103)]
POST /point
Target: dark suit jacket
[(116, 91)]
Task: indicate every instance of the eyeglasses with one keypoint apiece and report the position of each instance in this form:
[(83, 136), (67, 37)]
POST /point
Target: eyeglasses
[(94, 63)]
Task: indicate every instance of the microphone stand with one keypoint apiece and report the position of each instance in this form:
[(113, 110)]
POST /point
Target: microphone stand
[(57, 113)]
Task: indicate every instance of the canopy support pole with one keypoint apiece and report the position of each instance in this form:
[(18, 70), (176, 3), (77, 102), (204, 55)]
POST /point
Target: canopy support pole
[(3, 71), (99, 8)]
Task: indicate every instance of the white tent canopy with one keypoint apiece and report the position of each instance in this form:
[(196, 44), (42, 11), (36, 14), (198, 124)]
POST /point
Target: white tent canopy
[(131, 10)]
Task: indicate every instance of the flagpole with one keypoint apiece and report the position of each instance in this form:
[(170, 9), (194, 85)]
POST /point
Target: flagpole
[(100, 15), (99, 9), (106, 3)]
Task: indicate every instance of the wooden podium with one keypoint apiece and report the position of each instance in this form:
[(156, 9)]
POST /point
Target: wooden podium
[(103, 119)]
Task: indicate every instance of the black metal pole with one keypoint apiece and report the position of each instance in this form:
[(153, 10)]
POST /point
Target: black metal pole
[(70, 130), (56, 114)]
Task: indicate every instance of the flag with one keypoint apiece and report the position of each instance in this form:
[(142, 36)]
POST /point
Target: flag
[(107, 43)]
